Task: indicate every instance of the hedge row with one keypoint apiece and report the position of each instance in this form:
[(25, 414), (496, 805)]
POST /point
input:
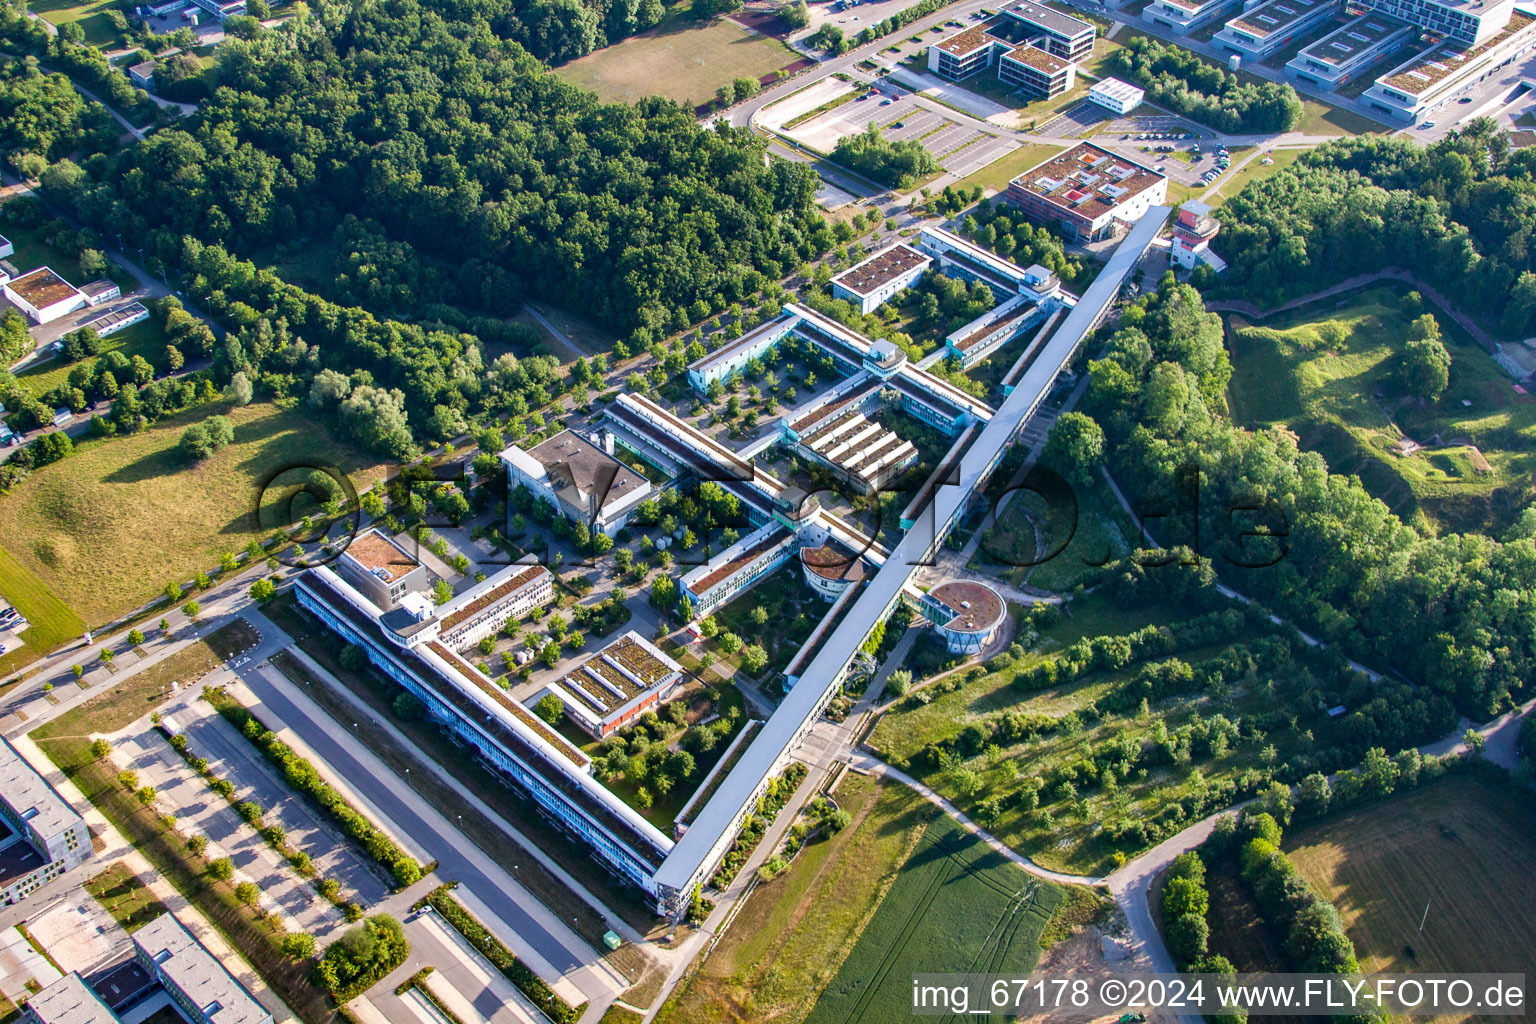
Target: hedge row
[(250, 813), (530, 984), (302, 776), (756, 825)]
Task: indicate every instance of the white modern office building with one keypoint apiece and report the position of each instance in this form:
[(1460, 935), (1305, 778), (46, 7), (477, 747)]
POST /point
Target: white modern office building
[(1183, 17), (1263, 29), (1115, 96), (1469, 42), (876, 280), (1350, 51), (44, 835)]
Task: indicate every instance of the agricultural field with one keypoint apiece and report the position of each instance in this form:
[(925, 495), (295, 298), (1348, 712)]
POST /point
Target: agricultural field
[(1329, 377), (108, 527), (957, 906), (682, 60), (1460, 846), (795, 931)]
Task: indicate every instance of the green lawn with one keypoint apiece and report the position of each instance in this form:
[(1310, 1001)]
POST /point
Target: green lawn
[(1065, 830), (1098, 532), (125, 896), (33, 251), (92, 16), (1256, 170), (147, 339), (109, 526), (682, 59), (794, 932), (957, 906), (1343, 402), (995, 176), (51, 620)]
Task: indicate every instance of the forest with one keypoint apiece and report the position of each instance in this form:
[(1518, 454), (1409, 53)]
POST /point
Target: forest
[(1452, 613), (481, 178), (1461, 213), (1177, 79), (453, 177)]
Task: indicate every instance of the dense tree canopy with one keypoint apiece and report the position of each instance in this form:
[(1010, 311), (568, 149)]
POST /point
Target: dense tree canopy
[(1460, 213), (1456, 613), (453, 168), (1176, 78)]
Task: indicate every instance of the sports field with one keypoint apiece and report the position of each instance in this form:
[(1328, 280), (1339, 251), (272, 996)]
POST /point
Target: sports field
[(957, 907), (1460, 847), (108, 527), (681, 60), (1328, 376)]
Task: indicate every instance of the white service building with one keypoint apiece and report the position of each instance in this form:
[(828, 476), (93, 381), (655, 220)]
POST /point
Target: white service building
[(1116, 96)]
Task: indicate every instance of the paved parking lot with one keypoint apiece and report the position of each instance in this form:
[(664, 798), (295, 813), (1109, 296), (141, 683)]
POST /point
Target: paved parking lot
[(959, 149), (179, 791), (1072, 124)]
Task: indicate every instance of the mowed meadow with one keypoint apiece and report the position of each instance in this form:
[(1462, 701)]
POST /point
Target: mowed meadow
[(1456, 856), (107, 528)]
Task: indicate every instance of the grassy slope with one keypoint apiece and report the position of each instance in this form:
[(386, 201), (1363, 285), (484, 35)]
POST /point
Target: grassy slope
[(681, 60), (107, 527), (1068, 839), (1457, 844), (52, 621), (795, 932), (1327, 397)]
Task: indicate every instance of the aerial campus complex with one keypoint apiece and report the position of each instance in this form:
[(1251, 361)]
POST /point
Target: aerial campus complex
[(886, 496), (376, 598)]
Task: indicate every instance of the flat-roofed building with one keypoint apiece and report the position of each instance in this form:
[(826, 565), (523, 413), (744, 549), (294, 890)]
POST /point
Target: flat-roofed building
[(970, 262), (1035, 72), (1263, 30), (1088, 192), (734, 356), (977, 340), (1468, 21), (382, 568), (109, 324), (966, 613), (616, 685), (143, 74), (1193, 229), (1185, 16), (965, 53), (505, 736), (716, 582), (1054, 31), (584, 482), (481, 611), (7, 250), (1426, 81), (879, 278), (43, 295), (201, 987), (44, 836), (1116, 96), (101, 290), (1349, 51), (830, 568), (68, 1001)]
